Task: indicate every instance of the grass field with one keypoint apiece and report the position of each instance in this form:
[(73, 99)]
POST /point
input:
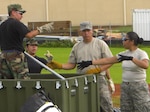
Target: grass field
[(61, 55)]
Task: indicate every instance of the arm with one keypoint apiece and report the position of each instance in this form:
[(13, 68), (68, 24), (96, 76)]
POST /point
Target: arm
[(110, 82), (144, 63), (57, 65), (108, 74), (141, 63), (68, 66), (98, 69), (105, 67), (47, 27), (32, 34), (105, 61)]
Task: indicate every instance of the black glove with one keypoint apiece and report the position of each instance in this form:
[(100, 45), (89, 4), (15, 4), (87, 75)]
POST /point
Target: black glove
[(122, 58), (83, 64)]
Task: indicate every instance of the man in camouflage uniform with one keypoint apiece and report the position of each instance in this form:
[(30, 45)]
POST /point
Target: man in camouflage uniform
[(90, 48), (13, 64)]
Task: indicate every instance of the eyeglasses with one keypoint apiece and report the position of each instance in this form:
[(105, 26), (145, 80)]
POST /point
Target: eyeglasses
[(20, 13), (125, 39)]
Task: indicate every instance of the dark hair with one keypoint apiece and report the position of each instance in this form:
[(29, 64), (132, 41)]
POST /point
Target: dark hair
[(134, 36)]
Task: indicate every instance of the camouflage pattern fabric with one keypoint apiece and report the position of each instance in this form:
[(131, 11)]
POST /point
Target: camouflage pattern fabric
[(106, 104), (135, 97), (13, 65)]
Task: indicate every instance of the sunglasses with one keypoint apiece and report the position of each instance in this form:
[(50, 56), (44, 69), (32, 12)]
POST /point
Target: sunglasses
[(125, 39), (20, 13)]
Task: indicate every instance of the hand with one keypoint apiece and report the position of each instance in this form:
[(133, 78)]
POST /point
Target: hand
[(46, 28), (54, 65), (83, 64), (122, 58), (49, 56), (111, 85), (93, 70)]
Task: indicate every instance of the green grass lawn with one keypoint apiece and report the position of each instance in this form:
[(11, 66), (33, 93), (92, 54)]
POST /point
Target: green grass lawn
[(62, 54)]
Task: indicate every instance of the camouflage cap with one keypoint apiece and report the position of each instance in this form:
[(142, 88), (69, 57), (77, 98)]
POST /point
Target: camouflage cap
[(86, 25), (31, 42), (15, 7)]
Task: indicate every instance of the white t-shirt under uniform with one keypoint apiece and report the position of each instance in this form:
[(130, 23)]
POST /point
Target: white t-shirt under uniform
[(93, 50), (132, 72)]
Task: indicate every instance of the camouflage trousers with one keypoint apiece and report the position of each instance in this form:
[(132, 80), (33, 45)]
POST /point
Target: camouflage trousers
[(135, 97), (13, 65), (106, 104)]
